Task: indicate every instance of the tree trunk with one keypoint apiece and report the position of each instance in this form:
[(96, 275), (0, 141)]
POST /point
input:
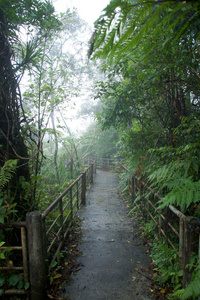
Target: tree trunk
[(56, 146), (11, 140)]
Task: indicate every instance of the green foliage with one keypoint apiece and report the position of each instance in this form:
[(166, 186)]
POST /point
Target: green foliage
[(4, 251), (7, 208), (124, 179), (151, 95), (13, 281), (125, 23), (167, 261), (39, 14), (173, 179), (7, 171), (176, 176), (149, 230), (98, 144), (192, 291)]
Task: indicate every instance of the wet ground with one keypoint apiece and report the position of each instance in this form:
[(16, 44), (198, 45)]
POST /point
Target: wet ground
[(114, 263)]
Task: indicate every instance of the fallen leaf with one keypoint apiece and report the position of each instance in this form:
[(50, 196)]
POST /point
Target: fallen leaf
[(133, 278), (57, 276), (128, 242)]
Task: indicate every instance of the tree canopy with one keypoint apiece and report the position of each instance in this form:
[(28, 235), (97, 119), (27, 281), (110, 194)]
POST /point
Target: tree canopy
[(37, 16), (150, 54)]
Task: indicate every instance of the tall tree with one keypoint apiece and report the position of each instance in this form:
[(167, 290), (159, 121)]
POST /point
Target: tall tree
[(151, 93), (55, 83), (32, 15)]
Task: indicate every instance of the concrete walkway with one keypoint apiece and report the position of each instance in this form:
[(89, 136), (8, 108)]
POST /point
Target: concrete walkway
[(114, 264)]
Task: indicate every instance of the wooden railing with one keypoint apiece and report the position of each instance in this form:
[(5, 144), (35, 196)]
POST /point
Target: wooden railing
[(46, 232), (43, 235), (103, 163), (23, 268), (181, 232)]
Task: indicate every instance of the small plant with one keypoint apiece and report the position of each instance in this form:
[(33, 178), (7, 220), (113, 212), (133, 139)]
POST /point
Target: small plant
[(6, 205), (14, 281), (192, 291), (167, 262), (149, 230)]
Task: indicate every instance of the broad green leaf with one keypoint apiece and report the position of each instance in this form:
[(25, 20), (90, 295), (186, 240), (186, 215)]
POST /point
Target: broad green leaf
[(27, 285), (13, 280), (2, 280)]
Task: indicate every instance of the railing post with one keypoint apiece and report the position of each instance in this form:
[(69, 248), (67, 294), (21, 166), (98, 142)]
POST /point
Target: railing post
[(83, 190), (189, 243), (61, 219), (77, 194), (132, 189), (186, 256), (71, 204), (37, 266), (24, 253), (160, 224), (181, 243), (148, 207), (91, 174)]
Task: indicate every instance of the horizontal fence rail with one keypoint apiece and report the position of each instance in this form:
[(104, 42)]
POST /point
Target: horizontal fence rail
[(181, 235), (24, 254), (43, 235), (103, 163), (62, 212)]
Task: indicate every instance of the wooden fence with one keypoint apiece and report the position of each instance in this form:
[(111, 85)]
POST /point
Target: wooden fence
[(103, 163), (43, 235), (181, 232)]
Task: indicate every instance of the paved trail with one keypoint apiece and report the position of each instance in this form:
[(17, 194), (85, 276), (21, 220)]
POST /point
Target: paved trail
[(112, 256)]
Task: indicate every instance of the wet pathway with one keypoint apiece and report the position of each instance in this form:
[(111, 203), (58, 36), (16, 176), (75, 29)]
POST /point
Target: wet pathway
[(114, 264)]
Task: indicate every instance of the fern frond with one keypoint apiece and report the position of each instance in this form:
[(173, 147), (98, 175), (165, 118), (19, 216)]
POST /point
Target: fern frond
[(7, 172), (183, 192), (192, 291)]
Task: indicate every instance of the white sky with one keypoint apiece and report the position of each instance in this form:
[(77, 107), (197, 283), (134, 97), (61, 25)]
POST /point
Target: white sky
[(89, 10)]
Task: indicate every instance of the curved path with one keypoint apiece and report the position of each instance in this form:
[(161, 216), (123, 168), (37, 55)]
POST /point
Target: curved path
[(114, 264)]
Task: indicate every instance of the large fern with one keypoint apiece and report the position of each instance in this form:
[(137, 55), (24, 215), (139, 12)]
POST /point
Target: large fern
[(178, 181), (192, 291), (7, 171), (177, 175)]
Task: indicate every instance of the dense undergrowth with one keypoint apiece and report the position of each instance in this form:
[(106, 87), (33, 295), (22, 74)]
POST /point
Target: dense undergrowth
[(168, 277)]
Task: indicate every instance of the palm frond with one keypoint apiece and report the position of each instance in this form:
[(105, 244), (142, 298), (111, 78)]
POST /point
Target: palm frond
[(124, 25)]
